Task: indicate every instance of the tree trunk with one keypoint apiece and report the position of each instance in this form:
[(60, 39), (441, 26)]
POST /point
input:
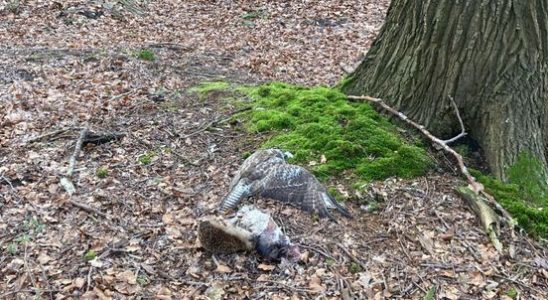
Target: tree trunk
[(491, 56)]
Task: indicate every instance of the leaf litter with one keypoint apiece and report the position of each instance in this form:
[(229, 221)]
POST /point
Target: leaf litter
[(63, 64)]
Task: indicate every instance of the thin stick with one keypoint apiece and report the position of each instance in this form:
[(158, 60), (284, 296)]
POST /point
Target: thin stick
[(215, 122), (475, 186), (77, 149), (88, 208), (353, 257), (49, 134), (89, 278), (462, 130)]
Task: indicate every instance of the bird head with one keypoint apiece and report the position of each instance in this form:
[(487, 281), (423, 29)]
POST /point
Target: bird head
[(276, 251), (288, 155), (278, 153)]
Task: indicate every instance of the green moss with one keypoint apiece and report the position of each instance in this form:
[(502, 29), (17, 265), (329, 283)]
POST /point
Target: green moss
[(336, 194), (530, 215), (320, 121), (102, 172), (90, 255), (311, 122), (512, 293), (345, 82), (142, 280), (527, 174), (146, 54), (330, 262), (354, 268), (146, 159), (267, 120), (11, 249), (430, 294)]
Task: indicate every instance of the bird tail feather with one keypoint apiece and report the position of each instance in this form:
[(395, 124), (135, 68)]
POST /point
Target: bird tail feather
[(339, 207), (234, 197)]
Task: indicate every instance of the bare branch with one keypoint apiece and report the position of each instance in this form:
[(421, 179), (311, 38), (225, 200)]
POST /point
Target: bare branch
[(50, 134), (88, 208), (77, 149), (474, 185), (462, 130)]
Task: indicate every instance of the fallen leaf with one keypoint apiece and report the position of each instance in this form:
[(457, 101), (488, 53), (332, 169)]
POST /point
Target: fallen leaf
[(266, 267), (79, 283), (96, 263), (127, 276), (315, 284), (44, 258), (164, 293), (223, 269), (167, 218), (100, 294), (215, 292), (323, 160)]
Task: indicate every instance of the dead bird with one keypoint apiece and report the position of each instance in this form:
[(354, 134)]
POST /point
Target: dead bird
[(266, 173), (249, 229)]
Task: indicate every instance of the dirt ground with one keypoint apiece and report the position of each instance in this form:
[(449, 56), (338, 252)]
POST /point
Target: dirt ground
[(132, 234)]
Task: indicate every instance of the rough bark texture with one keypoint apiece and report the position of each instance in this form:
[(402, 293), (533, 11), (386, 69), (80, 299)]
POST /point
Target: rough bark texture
[(491, 56)]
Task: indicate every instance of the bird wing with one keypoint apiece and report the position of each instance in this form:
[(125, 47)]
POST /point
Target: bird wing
[(296, 186)]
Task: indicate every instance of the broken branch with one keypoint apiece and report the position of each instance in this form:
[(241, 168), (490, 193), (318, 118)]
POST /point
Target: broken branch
[(462, 130), (474, 186), (77, 149)]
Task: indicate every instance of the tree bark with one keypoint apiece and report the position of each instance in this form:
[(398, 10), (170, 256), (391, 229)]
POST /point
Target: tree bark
[(491, 56)]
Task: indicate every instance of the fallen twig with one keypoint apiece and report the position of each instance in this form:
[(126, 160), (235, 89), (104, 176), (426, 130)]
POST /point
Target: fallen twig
[(5, 295), (77, 149), (101, 138), (66, 180), (215, 122), (353, 257), (462, 129), (89, 278), (476, 187), (49, 134), (88, 208)]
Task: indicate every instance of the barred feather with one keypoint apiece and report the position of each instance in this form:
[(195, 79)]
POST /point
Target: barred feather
[(266, 173), (236, 195)]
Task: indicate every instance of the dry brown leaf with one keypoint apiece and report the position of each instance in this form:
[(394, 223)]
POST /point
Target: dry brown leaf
[(127, 276), (173, 232), (476, 279), (133, 248), (167, 218), (44, 258), (450, 292), (263, 277), (323, 160), (215, 292), (100, 294), (315, 284), (223, 269), (266, 267), (164, 293)]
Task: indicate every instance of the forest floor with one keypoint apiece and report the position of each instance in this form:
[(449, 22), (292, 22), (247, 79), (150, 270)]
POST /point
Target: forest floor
[(129, 230)]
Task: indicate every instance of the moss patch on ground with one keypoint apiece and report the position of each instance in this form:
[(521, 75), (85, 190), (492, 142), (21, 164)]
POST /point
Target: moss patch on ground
[(319, 125), (532, 216), (329, 135), (525, 196)]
